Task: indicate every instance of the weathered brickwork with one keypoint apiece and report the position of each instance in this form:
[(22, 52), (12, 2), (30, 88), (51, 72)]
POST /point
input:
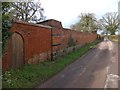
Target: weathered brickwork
[(42, 40)]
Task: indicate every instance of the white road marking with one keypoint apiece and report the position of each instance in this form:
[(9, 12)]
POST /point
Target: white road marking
[(112, 81), (107, 69)]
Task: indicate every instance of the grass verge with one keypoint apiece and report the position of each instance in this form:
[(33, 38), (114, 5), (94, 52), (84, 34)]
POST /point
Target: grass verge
[(31, 75), (114, 38)]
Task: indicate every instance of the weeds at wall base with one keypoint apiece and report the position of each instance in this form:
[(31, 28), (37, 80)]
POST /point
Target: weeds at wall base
[(31, 75)]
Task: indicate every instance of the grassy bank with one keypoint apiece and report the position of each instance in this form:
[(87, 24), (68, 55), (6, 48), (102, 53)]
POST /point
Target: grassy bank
[(31, 75), (114, 38)]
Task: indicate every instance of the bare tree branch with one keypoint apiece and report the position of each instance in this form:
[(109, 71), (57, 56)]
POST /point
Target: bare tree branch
[(110, 22), (28, 11)]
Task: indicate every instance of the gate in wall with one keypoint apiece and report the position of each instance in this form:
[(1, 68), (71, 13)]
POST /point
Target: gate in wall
[(17, 59)]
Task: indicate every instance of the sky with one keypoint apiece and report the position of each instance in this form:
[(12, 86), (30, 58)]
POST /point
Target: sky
[(67, 11)]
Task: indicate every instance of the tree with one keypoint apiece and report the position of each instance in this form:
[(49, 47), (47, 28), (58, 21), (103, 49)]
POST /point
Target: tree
[(6, 22), (87, 22), (110, 22), (76, 26), (28, 11)]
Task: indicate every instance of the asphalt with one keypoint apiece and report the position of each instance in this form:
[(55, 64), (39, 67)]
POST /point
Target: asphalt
[(98, 68)]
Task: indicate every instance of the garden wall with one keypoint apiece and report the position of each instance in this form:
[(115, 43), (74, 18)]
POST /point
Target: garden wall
[(34, 43)]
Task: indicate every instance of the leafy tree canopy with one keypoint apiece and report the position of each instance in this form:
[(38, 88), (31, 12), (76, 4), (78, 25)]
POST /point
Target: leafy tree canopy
[(87, 23), (6, 22), (110, 22)]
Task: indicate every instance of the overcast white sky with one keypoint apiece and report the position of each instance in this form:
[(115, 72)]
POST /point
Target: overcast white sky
[(67, 11)]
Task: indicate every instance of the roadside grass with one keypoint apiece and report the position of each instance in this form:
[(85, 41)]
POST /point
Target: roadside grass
[(31, 75), (114, 38)]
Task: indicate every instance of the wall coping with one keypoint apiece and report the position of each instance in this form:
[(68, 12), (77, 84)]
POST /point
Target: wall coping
[(33, 24), (46, 26)]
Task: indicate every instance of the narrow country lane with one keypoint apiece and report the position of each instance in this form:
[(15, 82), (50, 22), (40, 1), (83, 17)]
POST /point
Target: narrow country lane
[(98, 68)]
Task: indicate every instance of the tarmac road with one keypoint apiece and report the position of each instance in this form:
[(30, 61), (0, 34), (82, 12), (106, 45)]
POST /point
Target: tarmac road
[(98, 68)]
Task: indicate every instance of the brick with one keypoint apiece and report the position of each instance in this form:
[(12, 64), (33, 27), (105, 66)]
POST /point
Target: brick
[(38, 41)]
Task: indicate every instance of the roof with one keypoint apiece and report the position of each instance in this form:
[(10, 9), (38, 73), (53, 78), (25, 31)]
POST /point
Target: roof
[(52, 23)]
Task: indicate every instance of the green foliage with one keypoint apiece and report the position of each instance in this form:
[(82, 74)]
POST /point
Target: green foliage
[(6, 22), (87, 23), (110, 22), (70, 41), (31, 75), (115, 38)]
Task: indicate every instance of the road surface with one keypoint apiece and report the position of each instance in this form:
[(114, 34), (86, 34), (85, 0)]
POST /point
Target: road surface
[(98, 68)]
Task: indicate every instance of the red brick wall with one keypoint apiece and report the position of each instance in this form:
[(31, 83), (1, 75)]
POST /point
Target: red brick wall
[(79, 38), (37, 41), (62, 39)]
